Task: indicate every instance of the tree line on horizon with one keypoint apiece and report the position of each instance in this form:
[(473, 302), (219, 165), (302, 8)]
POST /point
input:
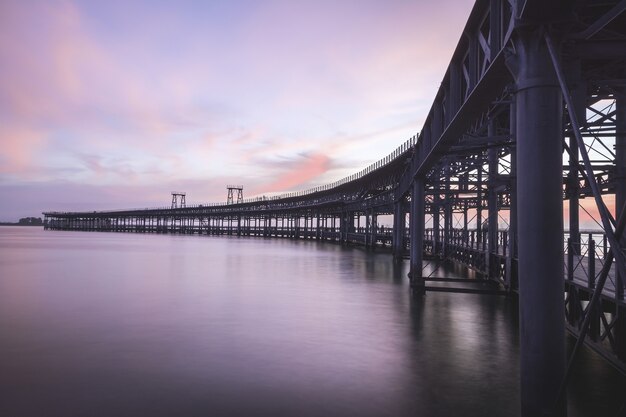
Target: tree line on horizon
[(26, 221)]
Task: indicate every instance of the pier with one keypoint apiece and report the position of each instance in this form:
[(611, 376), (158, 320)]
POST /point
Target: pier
[(530, 118)]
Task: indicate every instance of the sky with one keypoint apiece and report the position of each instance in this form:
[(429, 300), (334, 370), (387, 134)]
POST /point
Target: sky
[(115, 104)]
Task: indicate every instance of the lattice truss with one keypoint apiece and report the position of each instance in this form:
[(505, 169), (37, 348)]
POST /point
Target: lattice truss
[(478, 165), (472, 186), (595, 185)]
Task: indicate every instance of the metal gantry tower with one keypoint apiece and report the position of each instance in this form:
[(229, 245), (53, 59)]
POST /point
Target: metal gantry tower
[(178, 199), (231, 194)]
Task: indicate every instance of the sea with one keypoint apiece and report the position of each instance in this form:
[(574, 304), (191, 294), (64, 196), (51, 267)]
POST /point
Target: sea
[(125, 324)]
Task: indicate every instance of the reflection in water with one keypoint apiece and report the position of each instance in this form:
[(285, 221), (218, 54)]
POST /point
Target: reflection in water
[(158, 325)]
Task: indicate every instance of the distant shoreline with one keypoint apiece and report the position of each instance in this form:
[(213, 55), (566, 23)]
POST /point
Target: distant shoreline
[(18, 224)]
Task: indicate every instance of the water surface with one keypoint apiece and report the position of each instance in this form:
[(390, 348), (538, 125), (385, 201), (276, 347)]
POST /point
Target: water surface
[(106, 324)]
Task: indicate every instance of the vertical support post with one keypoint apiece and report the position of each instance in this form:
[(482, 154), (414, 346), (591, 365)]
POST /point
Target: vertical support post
[(492, 205), (572, 193), (374, 229), (577, 89), (318, 228), (573, 186), (465, 220), (368, 228), (296, 226), (351, 227), (620, 177), (594, 324), (540, 218), (435, 213), (620, 198), (417, 236), (511, 270), (591, 262), (447, 215), (579, 96), (343, 226), (479, 204), (308, 223), (398, 231)]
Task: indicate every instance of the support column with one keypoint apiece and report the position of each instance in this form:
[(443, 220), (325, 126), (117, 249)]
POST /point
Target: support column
[(573, 240), (447, 215), (578, 95), (435, 213), (511, 269), (479, 205), (374, 229), (343, 228), (578, 90), (368, 228), (351, 226), (620, 198), (540, 219), (492, 205), (318, 228), (417, 236), (573, 191), (465, 235), (398, 231), (620, 168)]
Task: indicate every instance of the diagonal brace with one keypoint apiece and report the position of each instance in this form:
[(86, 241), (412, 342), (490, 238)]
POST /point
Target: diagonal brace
[(615, 251), (605, 216)]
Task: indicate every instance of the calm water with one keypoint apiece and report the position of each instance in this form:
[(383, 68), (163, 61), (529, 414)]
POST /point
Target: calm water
[(104, 324)]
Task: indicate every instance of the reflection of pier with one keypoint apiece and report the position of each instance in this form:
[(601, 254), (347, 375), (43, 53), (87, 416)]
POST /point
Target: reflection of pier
[(531, 112)]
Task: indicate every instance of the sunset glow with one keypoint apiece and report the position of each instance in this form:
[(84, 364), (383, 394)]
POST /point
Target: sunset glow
[(107, 105)]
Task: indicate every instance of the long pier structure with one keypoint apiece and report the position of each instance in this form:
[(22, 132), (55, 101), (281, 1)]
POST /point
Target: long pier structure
[(529, 120)]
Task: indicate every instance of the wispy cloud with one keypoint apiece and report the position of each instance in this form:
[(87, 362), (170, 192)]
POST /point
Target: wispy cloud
[(292, 173), (108, 94)]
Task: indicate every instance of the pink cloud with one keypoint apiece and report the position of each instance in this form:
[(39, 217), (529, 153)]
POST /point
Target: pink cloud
[(47, 59), (19, 150), (298, 173), (60, 74)]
